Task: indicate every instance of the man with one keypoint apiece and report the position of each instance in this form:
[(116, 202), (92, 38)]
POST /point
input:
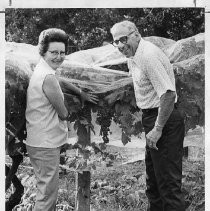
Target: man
[(155, 92)]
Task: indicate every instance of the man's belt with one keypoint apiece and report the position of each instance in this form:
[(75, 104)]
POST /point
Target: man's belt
[(150, 110)]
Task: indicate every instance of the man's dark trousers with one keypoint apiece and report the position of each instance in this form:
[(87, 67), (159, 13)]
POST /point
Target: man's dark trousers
[(164, 167)]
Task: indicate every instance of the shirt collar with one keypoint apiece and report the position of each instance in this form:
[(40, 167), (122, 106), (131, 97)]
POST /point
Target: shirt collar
[(44, 64), (139, 49)]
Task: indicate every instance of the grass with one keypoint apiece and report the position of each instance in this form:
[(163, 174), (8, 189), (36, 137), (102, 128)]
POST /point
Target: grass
[(116, 188)]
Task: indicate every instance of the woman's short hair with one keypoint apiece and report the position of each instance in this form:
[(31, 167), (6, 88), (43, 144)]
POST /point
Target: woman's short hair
[(52, 35), (124, 24)]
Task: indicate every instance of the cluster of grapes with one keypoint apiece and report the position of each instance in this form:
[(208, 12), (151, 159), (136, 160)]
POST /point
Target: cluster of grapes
[(104, 118)]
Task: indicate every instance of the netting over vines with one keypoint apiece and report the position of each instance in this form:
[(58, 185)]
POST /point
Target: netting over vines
[(104, 71)]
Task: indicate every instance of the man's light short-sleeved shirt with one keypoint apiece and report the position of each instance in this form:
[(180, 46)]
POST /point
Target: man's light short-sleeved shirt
[(152, 75)]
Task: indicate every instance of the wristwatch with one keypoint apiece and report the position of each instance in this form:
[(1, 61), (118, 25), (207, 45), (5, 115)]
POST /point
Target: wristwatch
[(67, 118)]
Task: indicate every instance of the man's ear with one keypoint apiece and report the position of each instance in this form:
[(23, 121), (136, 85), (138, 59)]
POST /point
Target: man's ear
[(137, 34)]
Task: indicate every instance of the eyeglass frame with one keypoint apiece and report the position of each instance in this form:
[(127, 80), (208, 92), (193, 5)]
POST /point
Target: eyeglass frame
[(120, 39), (56, 53)]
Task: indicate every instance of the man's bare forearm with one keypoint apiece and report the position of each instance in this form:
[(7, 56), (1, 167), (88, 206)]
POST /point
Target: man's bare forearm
[(166, 107)]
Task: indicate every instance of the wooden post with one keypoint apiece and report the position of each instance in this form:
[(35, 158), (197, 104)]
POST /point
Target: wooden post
[(83, 191), (83, 180)]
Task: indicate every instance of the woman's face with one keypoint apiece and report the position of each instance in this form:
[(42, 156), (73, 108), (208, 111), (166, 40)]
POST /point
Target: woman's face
[(55, 54)]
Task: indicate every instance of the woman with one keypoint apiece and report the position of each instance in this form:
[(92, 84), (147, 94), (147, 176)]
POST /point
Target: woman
[(46, 117)]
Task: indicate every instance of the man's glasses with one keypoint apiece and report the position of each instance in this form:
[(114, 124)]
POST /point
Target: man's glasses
[(123, 40), (56, 53)]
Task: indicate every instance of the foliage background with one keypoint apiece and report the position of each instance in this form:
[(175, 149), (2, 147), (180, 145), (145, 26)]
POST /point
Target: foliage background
[(88, 28)]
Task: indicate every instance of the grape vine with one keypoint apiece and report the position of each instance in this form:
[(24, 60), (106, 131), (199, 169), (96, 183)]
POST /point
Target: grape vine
[(115, 90)]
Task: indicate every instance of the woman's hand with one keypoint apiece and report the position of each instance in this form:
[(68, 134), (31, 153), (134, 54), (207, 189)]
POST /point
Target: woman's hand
[(88, 96), (67, 86)]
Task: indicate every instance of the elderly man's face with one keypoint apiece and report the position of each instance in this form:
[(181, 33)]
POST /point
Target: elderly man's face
[(126, 41)]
